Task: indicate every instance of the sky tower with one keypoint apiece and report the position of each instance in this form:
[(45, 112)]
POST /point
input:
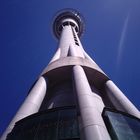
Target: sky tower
[(73, 99)]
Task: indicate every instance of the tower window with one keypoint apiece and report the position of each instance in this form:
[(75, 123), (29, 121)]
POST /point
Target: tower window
[(77, 43), (76, 29), (121, 126), (72, 24), (60, 28), (55, 124), (65, 23)]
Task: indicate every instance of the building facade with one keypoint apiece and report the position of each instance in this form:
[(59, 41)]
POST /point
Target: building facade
[(74, 99)]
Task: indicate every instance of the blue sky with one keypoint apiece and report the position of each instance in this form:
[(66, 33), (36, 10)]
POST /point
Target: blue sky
[(111, 38)]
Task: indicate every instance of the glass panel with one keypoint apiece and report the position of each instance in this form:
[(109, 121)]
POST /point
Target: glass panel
[(47, 129), (26, 129), (57, 124), (122, 126), (68, 125)]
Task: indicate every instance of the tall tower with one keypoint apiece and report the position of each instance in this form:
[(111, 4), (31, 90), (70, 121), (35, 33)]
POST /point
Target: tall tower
[(73, 99)]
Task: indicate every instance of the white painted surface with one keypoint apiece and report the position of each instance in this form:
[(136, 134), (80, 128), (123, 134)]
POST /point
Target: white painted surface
[(92, 124), (119, 100), (65, 40)]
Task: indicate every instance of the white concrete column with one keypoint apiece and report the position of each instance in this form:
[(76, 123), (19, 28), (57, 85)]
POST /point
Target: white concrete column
[(56, 56), (119, 100), (92, 124), (30, 106), (65, 40), (83, 52), (79, 48), (73, 51)]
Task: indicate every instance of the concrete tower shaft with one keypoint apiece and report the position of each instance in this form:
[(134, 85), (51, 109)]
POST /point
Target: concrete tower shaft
[(72, 66), (71, 81), (93, 90), (68, 17)]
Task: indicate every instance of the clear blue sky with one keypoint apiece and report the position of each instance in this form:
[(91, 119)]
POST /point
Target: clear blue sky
[(111, 38)]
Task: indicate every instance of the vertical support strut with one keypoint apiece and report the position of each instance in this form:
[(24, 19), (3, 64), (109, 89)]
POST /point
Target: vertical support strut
[(65, 40), (56, 56), (119, 100), (31, 104), (92, 125), (73, 51)]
